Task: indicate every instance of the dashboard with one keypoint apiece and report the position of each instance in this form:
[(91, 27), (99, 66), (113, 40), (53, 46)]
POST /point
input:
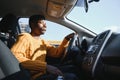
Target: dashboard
[(102, 58)]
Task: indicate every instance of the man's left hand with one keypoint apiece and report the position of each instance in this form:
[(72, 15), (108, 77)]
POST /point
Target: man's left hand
[(68, 37)]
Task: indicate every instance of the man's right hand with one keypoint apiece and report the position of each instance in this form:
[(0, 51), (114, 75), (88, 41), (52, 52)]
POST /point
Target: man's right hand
[(53, 70)]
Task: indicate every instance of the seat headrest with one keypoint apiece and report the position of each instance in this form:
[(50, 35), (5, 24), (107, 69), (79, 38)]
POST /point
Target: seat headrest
[(8, 23)]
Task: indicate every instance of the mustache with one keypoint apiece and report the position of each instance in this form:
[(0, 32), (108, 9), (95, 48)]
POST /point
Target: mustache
[(43, 29)]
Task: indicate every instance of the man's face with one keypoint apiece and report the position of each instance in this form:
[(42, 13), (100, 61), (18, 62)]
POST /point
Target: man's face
[(40, 27)]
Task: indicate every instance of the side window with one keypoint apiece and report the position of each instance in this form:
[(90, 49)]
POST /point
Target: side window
[(24, 26), (55, 32)]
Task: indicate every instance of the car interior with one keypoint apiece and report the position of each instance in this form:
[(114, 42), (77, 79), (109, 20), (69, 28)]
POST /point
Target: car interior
[(99, 57)]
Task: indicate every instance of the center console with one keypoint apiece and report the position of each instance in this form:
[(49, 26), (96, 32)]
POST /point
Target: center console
[(93, 54)]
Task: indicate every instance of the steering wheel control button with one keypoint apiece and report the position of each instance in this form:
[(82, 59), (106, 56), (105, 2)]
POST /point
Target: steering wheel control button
[(92, 49)]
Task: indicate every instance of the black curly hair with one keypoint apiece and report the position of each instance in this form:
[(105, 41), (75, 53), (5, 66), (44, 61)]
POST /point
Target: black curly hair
[(35, 18)]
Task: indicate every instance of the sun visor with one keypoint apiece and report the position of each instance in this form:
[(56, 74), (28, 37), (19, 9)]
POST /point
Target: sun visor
[(56, 8)]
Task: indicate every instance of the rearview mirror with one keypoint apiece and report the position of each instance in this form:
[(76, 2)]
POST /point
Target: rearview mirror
[(84, 3)]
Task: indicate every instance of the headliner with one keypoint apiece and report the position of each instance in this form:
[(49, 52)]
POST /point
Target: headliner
[(25, 8)]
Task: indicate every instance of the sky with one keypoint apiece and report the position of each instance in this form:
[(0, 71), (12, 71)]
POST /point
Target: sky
[(101, 16)]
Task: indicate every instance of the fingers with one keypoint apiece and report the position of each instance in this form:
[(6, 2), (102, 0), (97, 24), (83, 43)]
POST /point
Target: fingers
[(58, 72), (53, 70), (69, 36)]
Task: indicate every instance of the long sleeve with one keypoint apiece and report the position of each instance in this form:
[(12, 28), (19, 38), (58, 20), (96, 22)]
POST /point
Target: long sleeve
[(56, 52), (21, 50)]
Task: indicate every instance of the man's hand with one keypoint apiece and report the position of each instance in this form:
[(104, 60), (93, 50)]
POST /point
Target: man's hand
[(68, 37), (53, 70)]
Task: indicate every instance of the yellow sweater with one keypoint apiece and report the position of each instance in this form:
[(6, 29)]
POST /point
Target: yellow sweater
[(32, 53)]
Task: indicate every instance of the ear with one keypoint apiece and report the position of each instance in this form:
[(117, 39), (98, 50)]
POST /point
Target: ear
[(32, 25)]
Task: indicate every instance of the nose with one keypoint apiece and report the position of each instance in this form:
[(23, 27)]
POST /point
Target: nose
[(45, 25)]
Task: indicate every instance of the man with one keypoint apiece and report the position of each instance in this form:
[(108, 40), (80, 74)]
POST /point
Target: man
[(31, 50)]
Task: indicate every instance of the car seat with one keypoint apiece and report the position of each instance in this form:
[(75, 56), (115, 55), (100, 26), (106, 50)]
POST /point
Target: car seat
[(9, 29), (10, 68)]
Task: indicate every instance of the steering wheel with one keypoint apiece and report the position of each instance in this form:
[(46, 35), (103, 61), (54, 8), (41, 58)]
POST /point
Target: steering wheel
[(71, 44)]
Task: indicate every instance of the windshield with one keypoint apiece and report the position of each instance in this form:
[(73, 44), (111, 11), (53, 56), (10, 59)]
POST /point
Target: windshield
[(101, 16)]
